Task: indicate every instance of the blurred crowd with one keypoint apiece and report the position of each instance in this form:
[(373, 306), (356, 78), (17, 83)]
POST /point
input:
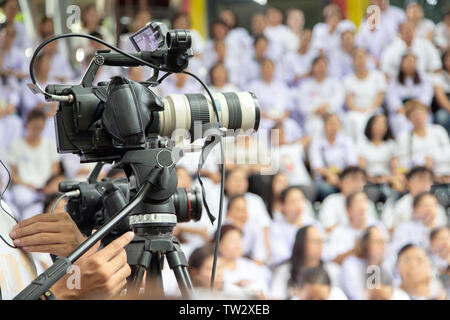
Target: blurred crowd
[(351, 199)]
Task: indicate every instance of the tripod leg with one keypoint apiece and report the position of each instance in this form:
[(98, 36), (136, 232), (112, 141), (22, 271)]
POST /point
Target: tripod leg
[(138, 272), (154, 276), (178, 263)]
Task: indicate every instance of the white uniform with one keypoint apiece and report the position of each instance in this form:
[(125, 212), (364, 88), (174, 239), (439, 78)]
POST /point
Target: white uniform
[(10, 126), (291, 160), (282, 274), (333, 211), (275, 99), (397, 93), (363, 92), (413, 149), (280, 41), (296, 64), (282, 238), (428, 59), (396, 213), (322, 39), (311, 94), (375, 41), (247, 270), (425, 27), (17, 268), (377, 157), (340, 155), (442, 35)]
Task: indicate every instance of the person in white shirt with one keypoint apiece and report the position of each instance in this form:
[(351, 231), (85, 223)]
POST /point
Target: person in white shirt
[(424, 28), (409, 84), (315, 284), (418, 180), (442, 92), (390, 17), (284, 229), (428, 59), (440, 250), (369, 255), (275, 101), (416, 274), (426, 145), (327, 35), (10, 124), (295, 20), (341, 59), (218, 75), (333, 209), (442, 33), (252, 278), (182, 21), (423, 220), (342, 240), (331, 154), (10, 10), (13, 62), (378, 156), (279, 35), (252, 236), (306, 253), (319, 96), (384, 288), (364, 90), (33, 160), (296, 65)]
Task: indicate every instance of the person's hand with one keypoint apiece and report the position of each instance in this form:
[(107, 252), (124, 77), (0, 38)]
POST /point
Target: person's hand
[(322, 110), (51, 233), (103, 274)]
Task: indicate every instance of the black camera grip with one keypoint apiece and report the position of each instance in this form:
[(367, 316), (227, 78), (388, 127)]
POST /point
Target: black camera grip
[(41, 284)]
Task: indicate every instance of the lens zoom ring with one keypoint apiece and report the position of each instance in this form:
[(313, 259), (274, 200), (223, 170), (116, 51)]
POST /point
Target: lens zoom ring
[(199, 108), (234, 110)]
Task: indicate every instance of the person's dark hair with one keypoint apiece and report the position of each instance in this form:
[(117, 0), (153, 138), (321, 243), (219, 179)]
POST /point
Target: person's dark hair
[(224, 230), (234, 198), (179, 15), (418, 198), (229, 172), (314, 275), (288, 190), (35, 114), (49, 200), (236, 18), (214, 67), (199, 256), (419, 171), (444, 56), (260, 37), (363, 246), (352, 170), (368, 130), (401, 74), (96, 34), (318, 58), (350, 198), (405, 248), (217, 21), (436, 230), (297, 259), (270, 200)]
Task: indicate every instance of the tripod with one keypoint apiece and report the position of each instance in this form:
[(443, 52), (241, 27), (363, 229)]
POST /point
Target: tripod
[(154, 241)]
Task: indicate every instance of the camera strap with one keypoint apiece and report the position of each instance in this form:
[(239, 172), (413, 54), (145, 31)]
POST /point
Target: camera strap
[(211, 140)]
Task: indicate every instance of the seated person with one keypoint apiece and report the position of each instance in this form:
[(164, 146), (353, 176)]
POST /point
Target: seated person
[(384, 289), (240, 271), (33, 160), (25, 247), (442, 91), (315, 284), (423, 220), (364, 91), (306, 253), (343, 239), (330, 154), (440, 252), (332, 211), (426, 145), (418, 180), (408, 85), (284, 229), (369, 254), (252, 236), (417, 280)]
